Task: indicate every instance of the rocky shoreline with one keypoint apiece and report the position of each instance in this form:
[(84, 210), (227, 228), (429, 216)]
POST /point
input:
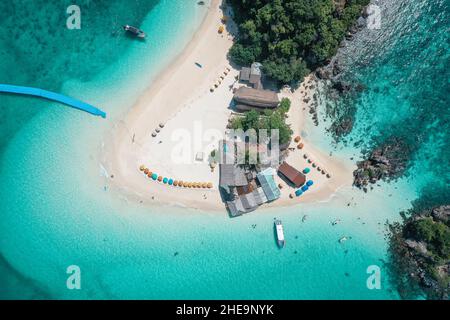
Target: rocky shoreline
[(336, 88), (386, 162), (420, 248)]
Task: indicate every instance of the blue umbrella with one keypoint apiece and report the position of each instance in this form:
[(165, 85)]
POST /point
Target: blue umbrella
[(309, 183), (306, 170), (154, 176), (305, 188), (170, 181), (165, 180), (299, 192)]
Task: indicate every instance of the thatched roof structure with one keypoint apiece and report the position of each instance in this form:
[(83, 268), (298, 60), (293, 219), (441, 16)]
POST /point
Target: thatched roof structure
[(256, 98)]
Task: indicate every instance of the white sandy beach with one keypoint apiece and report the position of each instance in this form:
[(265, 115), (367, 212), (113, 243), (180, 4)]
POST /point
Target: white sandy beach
[(194, 120)]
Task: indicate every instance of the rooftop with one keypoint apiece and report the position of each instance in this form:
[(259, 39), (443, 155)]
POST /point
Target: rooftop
[(244, 75), (268, 184), (294, 177), (256, 97)]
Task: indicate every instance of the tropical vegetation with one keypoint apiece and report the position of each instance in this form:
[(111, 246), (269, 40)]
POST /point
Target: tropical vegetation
[(291, 37)]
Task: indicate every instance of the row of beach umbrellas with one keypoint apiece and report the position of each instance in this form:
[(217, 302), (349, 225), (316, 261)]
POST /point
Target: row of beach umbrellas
[(220, 79), (305, 188), (300, 145), (158, 130), (314, 165), (176, 183)]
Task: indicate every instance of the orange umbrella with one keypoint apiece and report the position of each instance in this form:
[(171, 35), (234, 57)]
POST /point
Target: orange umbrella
[(146, 171), (210, 185), (160, 178), (175, 183), (297, 139)]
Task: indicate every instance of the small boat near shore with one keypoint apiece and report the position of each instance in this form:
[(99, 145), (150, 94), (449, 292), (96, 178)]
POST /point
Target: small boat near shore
[(135, 31), (280, 233)]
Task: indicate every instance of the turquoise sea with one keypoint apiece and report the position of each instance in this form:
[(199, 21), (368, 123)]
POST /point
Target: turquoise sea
[(55, 210)]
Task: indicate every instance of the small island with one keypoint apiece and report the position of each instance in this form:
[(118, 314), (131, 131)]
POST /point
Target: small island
[(239, 73), (420, 247)]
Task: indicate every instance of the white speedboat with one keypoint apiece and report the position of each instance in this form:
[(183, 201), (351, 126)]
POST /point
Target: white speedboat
[(280, 234)]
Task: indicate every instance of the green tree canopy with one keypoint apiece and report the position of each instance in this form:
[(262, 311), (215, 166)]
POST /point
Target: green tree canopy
[(290, 37)]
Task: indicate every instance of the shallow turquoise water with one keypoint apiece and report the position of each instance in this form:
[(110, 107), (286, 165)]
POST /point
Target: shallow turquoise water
[(55, 211)]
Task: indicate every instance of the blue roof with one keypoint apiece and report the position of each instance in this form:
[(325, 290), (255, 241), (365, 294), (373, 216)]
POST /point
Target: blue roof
[(269, 186)]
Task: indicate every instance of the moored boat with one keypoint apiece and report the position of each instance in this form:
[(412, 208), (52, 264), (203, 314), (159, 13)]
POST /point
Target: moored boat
[(135, 31), (280, 233)]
